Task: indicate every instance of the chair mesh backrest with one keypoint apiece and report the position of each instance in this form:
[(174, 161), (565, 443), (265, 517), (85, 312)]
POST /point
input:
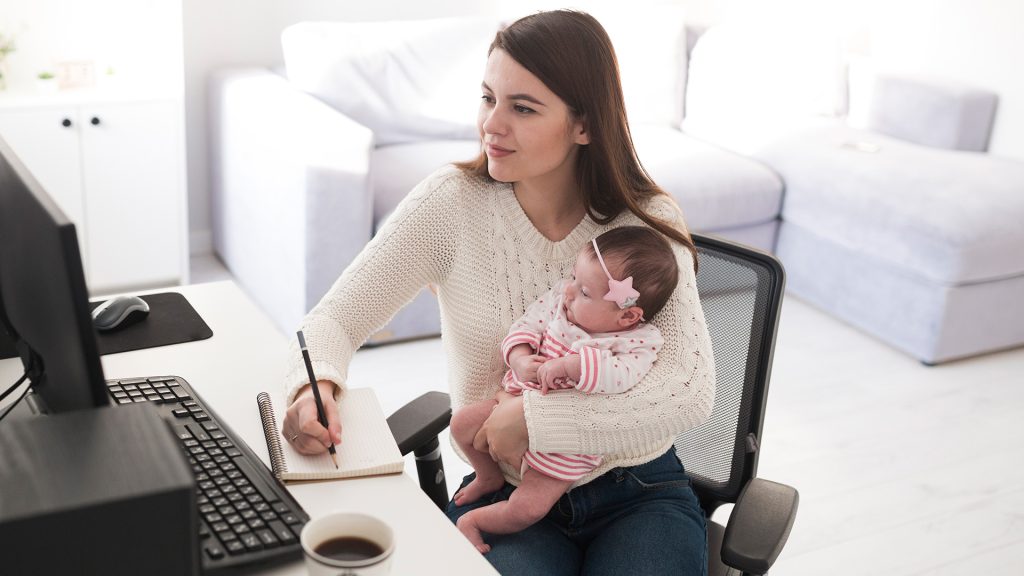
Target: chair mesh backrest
[(741, 293)]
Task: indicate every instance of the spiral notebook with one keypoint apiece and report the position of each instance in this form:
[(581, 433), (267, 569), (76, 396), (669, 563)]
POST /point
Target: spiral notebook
[(367, 447)]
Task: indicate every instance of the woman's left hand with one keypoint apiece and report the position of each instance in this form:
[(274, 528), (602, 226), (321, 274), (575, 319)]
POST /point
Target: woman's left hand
[(504, 434)]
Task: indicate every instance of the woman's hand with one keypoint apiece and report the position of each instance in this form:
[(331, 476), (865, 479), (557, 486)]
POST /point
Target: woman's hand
[(301, 427), (504, 434)]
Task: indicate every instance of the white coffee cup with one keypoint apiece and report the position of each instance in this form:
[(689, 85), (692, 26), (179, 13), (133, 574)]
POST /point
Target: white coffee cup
[(336, 525)]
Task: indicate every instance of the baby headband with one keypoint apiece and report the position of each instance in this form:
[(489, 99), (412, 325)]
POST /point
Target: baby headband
[(619, 291)]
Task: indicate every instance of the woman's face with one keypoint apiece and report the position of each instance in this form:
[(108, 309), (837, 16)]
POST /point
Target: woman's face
[(528, 133)]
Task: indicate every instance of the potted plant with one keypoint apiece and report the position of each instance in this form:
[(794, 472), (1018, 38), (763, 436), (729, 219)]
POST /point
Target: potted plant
[(46, 82)]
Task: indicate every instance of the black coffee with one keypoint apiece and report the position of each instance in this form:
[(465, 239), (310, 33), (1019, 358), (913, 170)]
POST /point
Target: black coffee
[(349, 548)]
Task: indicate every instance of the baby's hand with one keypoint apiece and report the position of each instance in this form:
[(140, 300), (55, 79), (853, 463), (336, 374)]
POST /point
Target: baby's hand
[(554, 374), (526, 366)]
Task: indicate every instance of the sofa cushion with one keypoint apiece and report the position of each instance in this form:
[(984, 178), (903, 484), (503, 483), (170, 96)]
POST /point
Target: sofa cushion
[(928, 111), (420, 80), (951, 217), (716, 189), (650, 46), (749, 83), (405, 80), (396, 169)]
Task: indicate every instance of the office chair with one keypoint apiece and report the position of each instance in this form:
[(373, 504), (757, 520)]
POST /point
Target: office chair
[(741, 292)]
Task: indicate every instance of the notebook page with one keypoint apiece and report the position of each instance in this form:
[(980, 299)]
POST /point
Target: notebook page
[(367, 445)]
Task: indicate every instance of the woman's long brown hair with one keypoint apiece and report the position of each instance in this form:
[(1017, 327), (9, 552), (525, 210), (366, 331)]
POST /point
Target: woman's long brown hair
[(570, 52)]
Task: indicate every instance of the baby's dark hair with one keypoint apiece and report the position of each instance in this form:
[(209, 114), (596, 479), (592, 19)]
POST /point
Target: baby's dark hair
[(644, 254)]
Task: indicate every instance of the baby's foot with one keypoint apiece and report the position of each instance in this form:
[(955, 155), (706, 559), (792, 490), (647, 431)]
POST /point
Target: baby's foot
[(472, 533), (478, 488)]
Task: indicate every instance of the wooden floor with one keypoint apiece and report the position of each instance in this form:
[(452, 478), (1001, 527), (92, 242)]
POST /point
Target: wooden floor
[(902, 469)]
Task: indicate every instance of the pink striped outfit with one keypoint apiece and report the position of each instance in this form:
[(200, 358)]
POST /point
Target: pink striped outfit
[(610, 362)]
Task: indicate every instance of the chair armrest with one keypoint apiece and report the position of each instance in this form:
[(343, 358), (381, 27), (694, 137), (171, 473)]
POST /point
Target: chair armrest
[(421, 420), (415, 427), (759, 525), (292, 203)]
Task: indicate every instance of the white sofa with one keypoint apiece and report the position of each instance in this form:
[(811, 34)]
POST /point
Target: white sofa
[(894, 221), (309, 161)]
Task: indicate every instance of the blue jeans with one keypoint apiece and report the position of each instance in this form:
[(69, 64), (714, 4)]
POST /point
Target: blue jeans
[(639, 520)]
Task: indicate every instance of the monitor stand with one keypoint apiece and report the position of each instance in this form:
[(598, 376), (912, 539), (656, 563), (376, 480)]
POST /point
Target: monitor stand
[(7, 349)]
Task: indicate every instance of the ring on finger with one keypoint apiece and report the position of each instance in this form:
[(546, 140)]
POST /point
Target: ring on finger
[(293, 437)]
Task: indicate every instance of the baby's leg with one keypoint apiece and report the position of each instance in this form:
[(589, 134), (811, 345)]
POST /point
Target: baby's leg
[(464, 426), (530, 502)]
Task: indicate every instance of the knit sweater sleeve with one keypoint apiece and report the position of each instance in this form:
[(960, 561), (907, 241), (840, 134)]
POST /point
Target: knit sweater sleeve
[(415, 247), (677, 393)]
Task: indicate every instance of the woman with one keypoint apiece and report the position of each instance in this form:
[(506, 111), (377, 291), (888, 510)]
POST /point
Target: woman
[(557, 169)]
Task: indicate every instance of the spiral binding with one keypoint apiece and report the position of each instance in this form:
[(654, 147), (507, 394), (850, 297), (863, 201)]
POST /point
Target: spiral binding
[(270, 433)]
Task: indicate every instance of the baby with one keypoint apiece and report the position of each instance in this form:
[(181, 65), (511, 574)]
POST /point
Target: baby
[(588, 333)]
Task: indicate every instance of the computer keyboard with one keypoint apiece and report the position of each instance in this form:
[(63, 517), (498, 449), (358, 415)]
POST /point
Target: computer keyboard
[(245, 515)]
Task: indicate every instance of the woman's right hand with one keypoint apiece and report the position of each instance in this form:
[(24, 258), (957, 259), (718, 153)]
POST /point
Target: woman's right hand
[(302, 428), (504, 434)]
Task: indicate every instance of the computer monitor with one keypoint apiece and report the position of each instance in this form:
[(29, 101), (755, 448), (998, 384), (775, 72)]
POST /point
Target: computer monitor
[(44, 305)]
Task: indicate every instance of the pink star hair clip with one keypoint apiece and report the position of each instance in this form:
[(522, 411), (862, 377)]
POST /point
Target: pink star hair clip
[(619, 291)]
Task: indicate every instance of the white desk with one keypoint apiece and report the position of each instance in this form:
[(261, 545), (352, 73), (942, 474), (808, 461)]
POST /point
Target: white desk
[(247, 355)]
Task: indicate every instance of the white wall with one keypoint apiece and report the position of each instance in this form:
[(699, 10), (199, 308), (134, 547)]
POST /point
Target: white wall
[(138, 41), (973, 41)]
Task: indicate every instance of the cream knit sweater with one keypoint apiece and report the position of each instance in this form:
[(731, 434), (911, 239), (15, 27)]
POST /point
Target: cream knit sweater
[(472, 239)]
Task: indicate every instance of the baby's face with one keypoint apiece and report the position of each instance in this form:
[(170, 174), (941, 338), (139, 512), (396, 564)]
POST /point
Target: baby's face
[(585, 305)]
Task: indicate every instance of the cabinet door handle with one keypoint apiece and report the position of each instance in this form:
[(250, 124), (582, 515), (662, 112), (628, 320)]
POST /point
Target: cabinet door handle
[(66, 122), (95, 121)]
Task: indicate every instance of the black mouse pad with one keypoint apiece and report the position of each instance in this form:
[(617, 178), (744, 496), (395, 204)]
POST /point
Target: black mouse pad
[(171, 320)]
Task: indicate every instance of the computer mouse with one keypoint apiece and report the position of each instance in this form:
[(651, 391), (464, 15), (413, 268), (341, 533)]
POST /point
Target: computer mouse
[(119, 312)]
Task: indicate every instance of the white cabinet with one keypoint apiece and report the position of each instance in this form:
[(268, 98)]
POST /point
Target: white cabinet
[(116, 168)]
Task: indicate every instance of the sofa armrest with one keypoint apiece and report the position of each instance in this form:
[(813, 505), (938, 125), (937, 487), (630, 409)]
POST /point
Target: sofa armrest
[(292, 203), (759, 525), (925, 111)]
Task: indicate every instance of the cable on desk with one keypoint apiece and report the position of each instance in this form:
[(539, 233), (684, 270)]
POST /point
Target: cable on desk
[(12, 389)]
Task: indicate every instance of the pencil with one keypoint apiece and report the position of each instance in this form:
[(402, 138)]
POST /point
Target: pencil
[(321, 415)]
